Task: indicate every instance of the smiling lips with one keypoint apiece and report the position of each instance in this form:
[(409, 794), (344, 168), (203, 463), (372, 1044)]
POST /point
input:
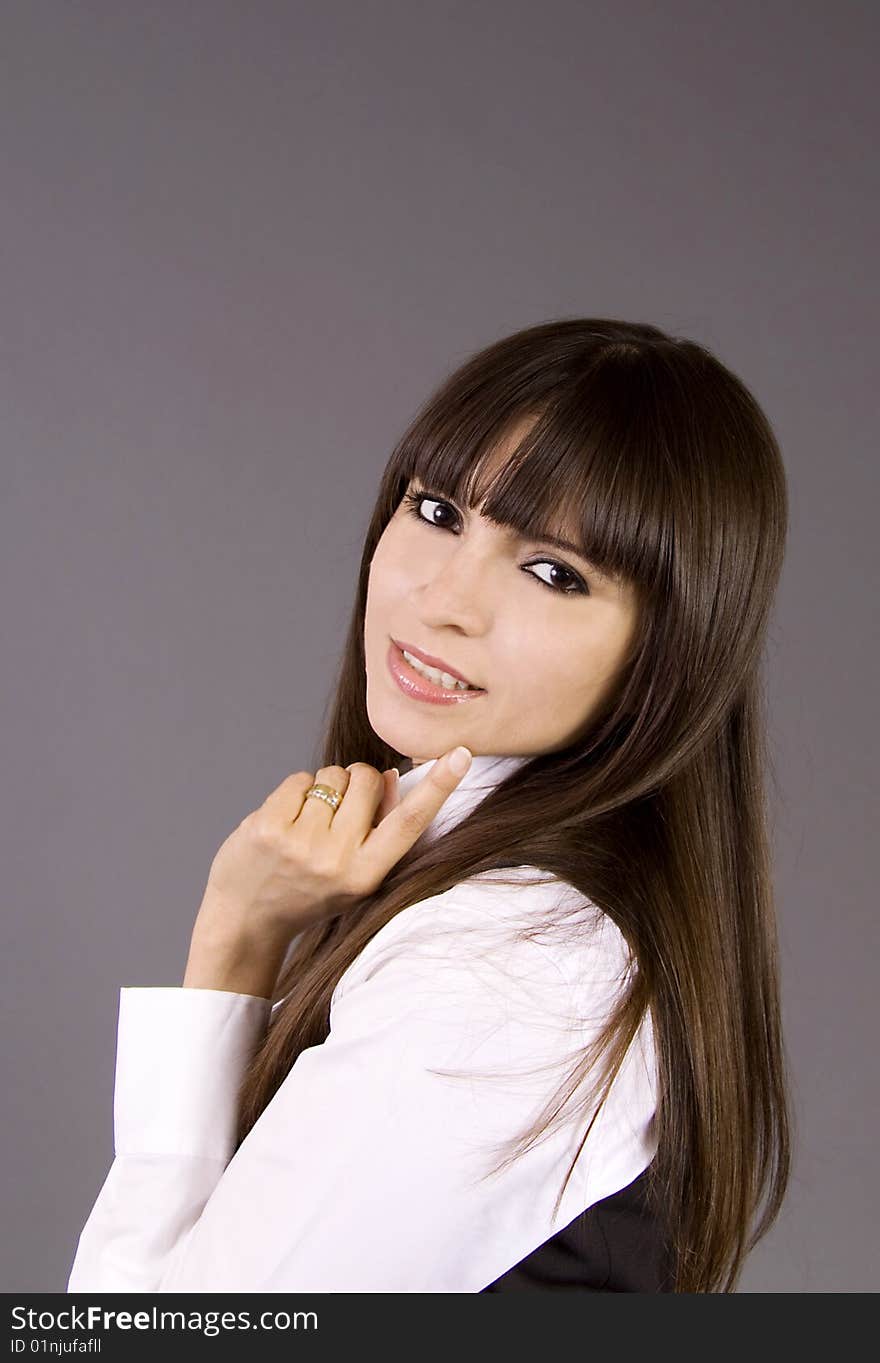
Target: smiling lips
[(419, 687), (430, 661)]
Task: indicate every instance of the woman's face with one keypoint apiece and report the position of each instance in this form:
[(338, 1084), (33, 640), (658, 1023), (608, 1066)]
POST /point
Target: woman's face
[(473, 594)]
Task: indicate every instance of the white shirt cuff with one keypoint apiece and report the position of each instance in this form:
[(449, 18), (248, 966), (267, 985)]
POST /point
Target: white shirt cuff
[(181, 1054)]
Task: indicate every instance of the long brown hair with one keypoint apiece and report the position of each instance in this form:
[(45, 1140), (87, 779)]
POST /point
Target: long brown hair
[(658, 809)]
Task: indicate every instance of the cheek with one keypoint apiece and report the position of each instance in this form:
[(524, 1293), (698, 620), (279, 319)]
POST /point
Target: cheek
[(532, 657), (389, 579), (568, 676), (389, 571), (554, 668)]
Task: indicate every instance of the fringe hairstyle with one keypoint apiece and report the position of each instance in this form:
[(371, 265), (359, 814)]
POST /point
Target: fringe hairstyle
[(659, 812)]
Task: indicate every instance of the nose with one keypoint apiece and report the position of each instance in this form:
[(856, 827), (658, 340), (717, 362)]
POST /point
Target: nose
[(456, 591)]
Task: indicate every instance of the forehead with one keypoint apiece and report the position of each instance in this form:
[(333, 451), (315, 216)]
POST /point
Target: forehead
[(497, 458), (499, 455)]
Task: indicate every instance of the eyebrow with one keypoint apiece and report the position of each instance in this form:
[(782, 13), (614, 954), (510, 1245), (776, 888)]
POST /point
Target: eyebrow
[(559, 543)]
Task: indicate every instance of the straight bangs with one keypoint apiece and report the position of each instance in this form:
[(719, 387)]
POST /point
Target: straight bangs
[(591, 469)]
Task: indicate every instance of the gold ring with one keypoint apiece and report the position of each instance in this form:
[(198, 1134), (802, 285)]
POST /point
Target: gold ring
[(329, 794)]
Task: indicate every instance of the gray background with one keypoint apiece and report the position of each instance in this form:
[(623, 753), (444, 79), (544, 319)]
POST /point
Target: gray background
[(240, 244)]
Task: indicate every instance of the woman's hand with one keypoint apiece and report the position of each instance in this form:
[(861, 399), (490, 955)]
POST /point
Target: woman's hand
[(294, 861)]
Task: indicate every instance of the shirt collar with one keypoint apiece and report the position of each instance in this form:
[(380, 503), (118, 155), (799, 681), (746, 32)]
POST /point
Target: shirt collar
[(485, 772)]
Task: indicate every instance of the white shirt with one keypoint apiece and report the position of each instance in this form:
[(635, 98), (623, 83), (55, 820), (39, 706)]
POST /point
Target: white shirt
[(361, 1175)]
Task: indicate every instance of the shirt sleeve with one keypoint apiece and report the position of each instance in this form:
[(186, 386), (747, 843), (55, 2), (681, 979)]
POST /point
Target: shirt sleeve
[(364, 1172), (180, 1057)]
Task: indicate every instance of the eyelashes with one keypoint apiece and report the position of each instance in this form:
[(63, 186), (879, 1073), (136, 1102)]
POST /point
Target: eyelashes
[(413, 501)]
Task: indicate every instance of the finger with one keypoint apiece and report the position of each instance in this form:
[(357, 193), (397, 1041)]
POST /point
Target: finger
[(285, 801), (318, 812), (397, 832), (391, 797), (355, 815)]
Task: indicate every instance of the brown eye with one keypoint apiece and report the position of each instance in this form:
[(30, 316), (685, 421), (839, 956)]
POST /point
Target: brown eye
[(414, 501), (571, 584)]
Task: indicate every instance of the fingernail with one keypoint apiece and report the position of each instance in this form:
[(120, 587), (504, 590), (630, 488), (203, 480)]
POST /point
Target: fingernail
[(460, 760)]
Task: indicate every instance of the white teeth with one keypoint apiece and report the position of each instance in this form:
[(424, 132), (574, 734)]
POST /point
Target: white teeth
[(440, 678)]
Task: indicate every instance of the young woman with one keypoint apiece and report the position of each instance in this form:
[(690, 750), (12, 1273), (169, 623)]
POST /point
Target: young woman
[(518, 1027)]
